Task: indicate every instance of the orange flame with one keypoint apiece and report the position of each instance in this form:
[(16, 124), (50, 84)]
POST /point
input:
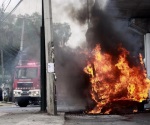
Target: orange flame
[(111, 82)]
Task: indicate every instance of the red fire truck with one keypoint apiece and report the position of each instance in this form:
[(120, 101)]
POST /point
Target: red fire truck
[(26, 85)]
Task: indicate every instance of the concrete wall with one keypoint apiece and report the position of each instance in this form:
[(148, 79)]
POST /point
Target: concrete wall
[(147, 53)]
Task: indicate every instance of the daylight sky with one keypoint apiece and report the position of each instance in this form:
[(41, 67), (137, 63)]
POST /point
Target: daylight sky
[(59, 15), (27, 6)]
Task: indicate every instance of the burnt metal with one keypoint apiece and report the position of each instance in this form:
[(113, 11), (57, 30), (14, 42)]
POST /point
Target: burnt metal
[(120, 107), (140, 24)]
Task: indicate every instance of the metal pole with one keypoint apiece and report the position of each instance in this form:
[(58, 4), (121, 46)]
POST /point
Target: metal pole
[(43, 65), (89, 5), (49, 47), (22, 37), (21, 43), (2, 66), (88, 15)]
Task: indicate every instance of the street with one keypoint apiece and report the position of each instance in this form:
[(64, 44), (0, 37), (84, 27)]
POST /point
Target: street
[(10, 114), (12, 108), (132, 119), (73, 58)]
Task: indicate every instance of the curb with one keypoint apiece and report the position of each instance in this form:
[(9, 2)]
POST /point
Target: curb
[(5, 103)]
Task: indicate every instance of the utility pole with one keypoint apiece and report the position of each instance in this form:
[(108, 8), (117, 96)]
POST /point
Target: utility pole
[(21, 43), (49, 50), (22, 37), (2, 66), (2, 60), (88, 12), (89, 7), (43, 65)]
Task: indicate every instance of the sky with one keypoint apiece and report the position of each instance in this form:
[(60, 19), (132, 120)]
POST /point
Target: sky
[(27, 6), (60, 15)]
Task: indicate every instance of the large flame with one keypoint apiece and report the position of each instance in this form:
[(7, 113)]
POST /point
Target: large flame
[(114, 82)]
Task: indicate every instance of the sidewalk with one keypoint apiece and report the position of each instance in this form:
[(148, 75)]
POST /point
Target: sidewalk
[(31, 119), (43, 119), (14, 115), (2, 103)]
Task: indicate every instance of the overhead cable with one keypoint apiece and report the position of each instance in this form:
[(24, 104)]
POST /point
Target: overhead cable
[(7, 6), (12, 10), (3, 3)]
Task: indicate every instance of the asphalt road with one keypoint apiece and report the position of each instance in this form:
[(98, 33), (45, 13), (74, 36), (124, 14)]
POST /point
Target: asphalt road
[(132, 119), (12, 108), (11, 114)]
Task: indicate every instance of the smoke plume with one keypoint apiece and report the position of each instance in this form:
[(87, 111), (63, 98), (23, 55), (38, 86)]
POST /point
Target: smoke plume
[(110, 35), (105, 30), (72, 83)]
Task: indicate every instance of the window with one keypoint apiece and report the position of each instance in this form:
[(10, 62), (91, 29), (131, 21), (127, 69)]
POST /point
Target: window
[(26, 73)]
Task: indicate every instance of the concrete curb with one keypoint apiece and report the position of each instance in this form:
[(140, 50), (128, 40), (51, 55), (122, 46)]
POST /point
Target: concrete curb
[(6, 103)]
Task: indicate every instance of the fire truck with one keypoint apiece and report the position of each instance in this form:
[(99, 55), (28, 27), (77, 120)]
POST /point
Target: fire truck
[(26, 84)]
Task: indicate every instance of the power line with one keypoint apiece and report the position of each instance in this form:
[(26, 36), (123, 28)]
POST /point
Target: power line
[(7, 5), (12, 10), (11, 47), (2, 9), (3, 3)]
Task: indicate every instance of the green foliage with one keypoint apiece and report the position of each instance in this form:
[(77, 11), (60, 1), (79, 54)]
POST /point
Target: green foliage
[(10, 37), (62, 32)]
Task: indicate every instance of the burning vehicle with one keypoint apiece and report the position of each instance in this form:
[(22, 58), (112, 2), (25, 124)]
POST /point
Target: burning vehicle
[(118, 78), (117, 75), (116, 84)]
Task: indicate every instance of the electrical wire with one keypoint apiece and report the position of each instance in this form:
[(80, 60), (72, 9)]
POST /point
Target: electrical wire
[(7, 6), (3, 3), (12, 10), (12, 48), (3, 10)]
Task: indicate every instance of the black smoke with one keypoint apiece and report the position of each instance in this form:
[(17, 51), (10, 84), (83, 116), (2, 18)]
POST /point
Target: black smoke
[(104, 32), (78, 14), (72, 83), (108, 30)]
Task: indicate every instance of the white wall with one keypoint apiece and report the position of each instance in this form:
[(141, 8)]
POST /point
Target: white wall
[(147, 53)]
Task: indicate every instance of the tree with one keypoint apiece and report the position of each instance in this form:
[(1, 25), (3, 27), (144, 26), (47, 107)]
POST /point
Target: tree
[(61, 33), (10, 37)]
